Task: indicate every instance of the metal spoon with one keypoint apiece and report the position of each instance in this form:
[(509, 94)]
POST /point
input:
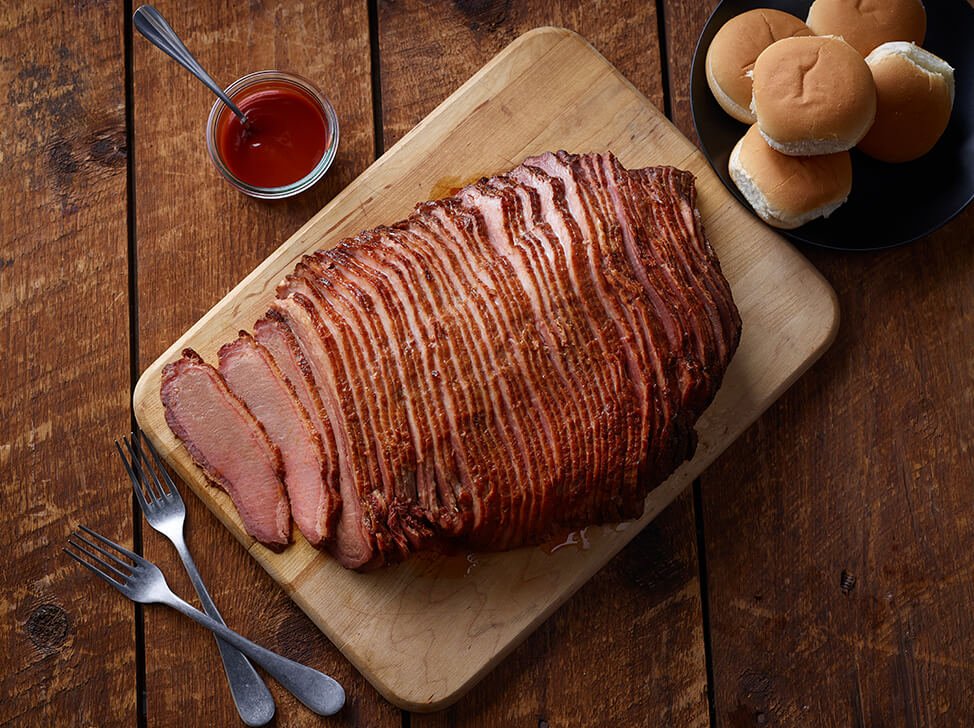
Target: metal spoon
[(150, 23)]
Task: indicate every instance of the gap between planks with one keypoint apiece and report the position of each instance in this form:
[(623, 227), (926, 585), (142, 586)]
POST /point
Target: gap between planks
[(141, 719), (701, 543)]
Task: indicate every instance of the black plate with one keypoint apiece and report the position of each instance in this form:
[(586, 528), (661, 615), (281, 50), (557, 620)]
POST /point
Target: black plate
[(890, 204)]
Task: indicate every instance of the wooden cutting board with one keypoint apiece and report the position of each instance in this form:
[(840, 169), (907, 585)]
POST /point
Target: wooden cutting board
[(425, 631)]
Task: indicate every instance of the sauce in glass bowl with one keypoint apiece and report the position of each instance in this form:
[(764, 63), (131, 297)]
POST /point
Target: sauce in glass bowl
[(288, 142)]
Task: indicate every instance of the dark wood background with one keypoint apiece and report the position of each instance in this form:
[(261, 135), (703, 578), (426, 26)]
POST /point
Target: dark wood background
[(821, 573)]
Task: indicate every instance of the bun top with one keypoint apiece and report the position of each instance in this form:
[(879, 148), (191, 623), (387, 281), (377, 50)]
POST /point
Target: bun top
[(794, 186), (866, 24), (816, 91), (736, 47), (919, 61), (914, 98)]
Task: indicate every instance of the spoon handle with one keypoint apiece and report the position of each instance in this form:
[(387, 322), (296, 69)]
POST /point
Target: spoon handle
[(150, 23)]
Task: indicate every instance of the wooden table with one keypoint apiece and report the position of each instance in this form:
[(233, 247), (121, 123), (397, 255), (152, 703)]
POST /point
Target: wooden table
[(821, 573)]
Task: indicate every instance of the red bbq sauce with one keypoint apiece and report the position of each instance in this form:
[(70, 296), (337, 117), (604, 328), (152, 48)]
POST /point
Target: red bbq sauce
[(285, 137)]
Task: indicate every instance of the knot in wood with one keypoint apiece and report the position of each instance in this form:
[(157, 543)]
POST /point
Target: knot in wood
[(754, 683), (486, 15), (47, 627)]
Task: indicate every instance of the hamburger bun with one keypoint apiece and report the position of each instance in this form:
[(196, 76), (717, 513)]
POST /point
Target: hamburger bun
[(813, 95), (868, 23), (785, 191), (734, 49), (914, 98)]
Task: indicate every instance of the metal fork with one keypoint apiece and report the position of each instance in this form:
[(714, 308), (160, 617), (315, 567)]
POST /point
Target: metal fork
[(165, 511), (141, 581)]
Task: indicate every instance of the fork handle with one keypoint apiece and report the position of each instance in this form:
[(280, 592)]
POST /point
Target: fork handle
[(253, 699), (317, 691)]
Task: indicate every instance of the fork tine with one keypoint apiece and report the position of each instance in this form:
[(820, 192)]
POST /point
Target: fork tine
[(145, 467), (136, 482), (162, 467), (139, 467), (99, 549), (123, 577), (145, 464), (91, 567), (112, 545)]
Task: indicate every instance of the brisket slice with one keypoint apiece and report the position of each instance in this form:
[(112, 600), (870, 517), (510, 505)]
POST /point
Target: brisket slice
[(229, 444), (355, 543), (527, 356), (252, 375), (272, 333)]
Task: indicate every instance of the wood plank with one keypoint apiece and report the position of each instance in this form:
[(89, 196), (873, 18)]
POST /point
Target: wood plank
[(683, 23), (383, 621), (841, 568), (542, 679), (840, 559), (427, 50), (196, 238), (64, 366)]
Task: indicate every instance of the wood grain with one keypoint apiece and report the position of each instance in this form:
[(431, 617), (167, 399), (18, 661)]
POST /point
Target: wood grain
[(840, 561), (391, 623), (67, 638), (841, 568), (683, 23), (196, 238), (653, 653), (427, 49)]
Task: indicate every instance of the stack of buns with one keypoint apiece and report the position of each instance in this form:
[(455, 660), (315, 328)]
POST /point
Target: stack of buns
[(852, 74)]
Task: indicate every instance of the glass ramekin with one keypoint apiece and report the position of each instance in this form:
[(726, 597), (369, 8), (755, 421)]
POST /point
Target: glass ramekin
[(273, 193)]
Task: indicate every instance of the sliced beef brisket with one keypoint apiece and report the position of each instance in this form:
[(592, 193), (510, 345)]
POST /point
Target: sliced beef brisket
[(229, 444), (250, 372), (526, 356)]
